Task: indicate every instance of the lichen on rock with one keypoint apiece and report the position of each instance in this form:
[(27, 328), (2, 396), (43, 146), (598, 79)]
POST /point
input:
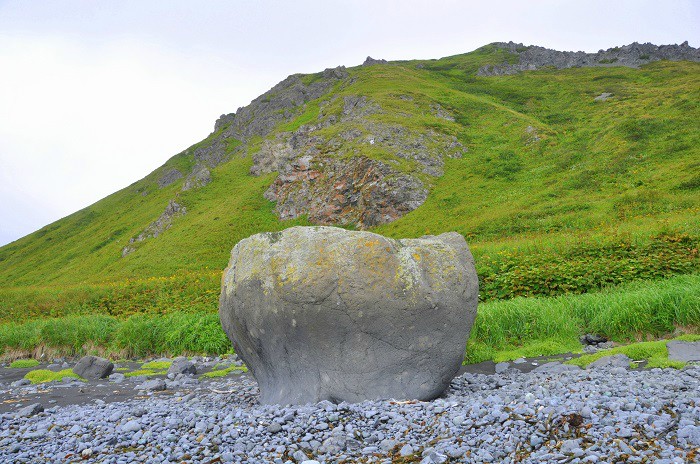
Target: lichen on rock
[(322, 313)]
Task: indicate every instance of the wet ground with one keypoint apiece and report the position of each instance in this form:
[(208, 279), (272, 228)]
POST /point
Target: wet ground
[(53, 394)]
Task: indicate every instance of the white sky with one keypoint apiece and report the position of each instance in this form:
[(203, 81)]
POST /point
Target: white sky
[(96, 94)]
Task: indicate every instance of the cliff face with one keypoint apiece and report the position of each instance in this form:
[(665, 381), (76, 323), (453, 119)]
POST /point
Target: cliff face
[(530, 58)]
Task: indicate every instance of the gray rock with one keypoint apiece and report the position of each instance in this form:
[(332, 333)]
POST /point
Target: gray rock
[(182, 366), (199, 177), (157, 227), (556, 367), (502, 367), (169, 176), (616, 360), (117, 377), (131, 426), (274, 427), (322, 313), (683, 351), (93, 368), (593, 339), (152, 385), (603, 96), (632, 55), (31, 410), (20, 383), (371, 61)]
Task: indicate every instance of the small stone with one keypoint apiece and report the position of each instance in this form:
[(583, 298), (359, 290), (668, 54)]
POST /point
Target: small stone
[(117, 377), (86, 453), (131, 426), (31, 410), (20, 383), (274, 427), (502, 367), (568, 446), (152, 385), (616, 360), (406, 450), (625, 432), (556, 367)]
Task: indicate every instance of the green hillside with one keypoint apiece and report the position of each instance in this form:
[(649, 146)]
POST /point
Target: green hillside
[(556, 192)]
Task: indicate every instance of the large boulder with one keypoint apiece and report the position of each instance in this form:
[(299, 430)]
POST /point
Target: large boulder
[(93, 368), (322, 313)]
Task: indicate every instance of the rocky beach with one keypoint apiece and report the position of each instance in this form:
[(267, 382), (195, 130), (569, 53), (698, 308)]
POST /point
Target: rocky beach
[(529, 412)]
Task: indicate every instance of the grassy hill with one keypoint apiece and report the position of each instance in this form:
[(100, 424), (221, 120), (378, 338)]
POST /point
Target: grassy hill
[(556, 193)]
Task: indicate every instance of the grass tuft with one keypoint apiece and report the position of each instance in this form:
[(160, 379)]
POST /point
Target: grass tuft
[(24, 363), (655, 353), (157, 365), (45, 376), (147, 372), (224, 372)]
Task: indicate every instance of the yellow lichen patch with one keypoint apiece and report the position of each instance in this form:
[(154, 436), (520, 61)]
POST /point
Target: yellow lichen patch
[(371, 243), (416, 256)]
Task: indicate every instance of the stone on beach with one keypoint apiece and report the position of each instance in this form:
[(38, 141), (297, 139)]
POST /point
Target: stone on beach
[(322, 313), (93, 368)]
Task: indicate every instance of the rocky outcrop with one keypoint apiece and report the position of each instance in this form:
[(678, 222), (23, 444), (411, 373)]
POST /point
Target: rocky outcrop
[(168, 177), (93, 368), (371, 61), (633, 55), (281, 103), (337, 179), (157, 227), (321, 313), (358, 191), (199, 177)]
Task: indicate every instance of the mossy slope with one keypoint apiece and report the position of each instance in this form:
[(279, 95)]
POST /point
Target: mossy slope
[(547, 168)]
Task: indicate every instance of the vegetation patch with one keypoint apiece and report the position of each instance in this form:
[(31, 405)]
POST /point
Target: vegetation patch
[(655, 353), (45, 375), (157, 365), (224, 372), (506, 330), (24, 363), (136, 336), (147, 372)]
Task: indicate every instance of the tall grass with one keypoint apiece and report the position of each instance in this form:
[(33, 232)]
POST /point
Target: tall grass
[(503, 329), (549, 325), (138, 335)]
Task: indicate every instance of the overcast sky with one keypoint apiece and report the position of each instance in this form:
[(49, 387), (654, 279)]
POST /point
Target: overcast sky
[(96, 94)]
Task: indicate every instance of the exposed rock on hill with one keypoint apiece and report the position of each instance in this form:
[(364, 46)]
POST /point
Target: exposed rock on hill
[(168, 177), (158, 226), (277, 104), (353, 162), (370, 61), (633, 55), (329, 180)]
